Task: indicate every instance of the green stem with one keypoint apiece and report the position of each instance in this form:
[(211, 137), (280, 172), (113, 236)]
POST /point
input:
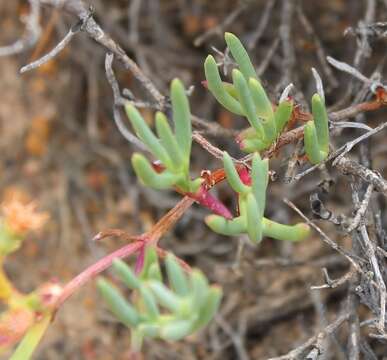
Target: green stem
[(31, 340)]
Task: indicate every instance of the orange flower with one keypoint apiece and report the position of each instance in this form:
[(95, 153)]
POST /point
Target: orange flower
[(22, 218)]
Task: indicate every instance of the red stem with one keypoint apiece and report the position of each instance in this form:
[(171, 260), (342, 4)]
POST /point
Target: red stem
[(96, 269), (150, 238)]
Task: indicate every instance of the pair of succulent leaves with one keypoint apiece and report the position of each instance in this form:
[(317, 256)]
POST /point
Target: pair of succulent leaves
[(159, 311)]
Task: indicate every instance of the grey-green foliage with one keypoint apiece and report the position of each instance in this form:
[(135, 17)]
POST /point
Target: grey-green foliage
[(252, 202), (246, 97), (169, 311), (172, 149)]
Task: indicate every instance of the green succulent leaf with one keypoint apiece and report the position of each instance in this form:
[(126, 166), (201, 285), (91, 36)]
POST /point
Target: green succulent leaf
[(246, 101), (168, 140), (241, 56), (282, 114), (176, 329), (215, 85), (316, 132), (211, 307), (146, 135), (126, 274), (254, 225), (260, 180), (150, 302), (199, 286), (176, 276), (154, 272), (230, 88), (320, 117), (252, 145), (278, 231), (221, 225), (125, 312), (233, 176), (150, 330), (165, 296), (149, 176), (150, 260), (181, 116), (312, 147), (262, 102)]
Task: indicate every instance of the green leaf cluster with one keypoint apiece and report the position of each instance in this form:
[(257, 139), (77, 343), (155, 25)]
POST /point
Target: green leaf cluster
[(169, 312), (246, 97), (172, 149), (252, 201)]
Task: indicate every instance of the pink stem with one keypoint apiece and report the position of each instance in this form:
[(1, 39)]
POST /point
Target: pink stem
[(95, 269), (204, 198)]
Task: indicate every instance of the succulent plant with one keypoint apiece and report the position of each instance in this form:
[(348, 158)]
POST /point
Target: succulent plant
[(169, 312), (246, 97), (252, 201), (173, 150)]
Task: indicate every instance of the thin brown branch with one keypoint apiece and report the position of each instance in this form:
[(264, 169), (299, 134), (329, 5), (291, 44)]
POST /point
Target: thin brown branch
[(347, 166), (314, 340)]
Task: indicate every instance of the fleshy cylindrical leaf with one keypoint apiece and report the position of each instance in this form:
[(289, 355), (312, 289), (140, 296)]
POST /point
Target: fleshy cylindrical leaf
[(246, 101), (199, 285), (126, 274), (254, 225), (282, 114), (312, 148), (210, 308), (240, 55), (165, 296), (230, 88), (320, 117), (149, 176), (251, 145), (215, 85), (154, 272), (168, 140), (150, 303), (146, 135), (150, 330), (124, 312), (233, 176), (181, 116), (264, 109), (278, 231), (176, 329), (260, 178), (262, 102), (223, 226), (177, 279), (150, 259)]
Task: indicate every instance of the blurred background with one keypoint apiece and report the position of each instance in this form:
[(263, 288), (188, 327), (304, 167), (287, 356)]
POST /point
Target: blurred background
[(59, 146)]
